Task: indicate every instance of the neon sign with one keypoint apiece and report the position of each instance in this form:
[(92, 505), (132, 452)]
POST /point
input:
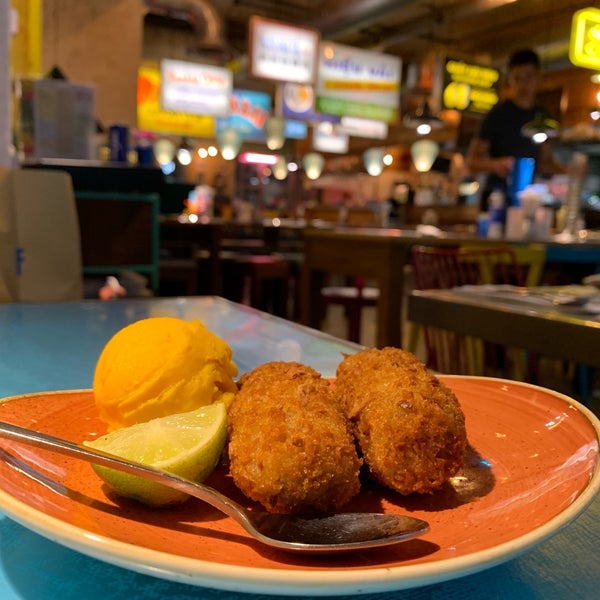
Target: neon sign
[(584, 45)]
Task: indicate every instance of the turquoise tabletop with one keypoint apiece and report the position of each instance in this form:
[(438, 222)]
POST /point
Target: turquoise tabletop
[(56, 345)]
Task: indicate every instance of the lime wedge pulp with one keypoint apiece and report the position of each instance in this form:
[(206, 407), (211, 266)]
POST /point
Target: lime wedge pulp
[(186, 444)]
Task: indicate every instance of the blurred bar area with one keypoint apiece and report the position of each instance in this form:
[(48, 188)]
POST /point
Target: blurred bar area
[(262, 150), (335, 260)]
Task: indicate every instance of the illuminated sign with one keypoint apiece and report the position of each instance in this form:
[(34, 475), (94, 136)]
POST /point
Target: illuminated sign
[(584, 45), (327, 139), (248, 112), (194, 88), (469, 87), (151, 117), (297, 101), (283, 52), (358, 83), (295, 130), (363, 128)]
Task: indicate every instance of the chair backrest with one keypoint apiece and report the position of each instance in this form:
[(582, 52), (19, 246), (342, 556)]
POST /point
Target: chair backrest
[(437, 268), (530, 259)]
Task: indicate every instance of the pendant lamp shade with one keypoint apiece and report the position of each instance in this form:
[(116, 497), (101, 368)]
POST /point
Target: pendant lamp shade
[(313, 164), (229, 142), (423, 153), (164, 151), (423, 119), (373, 160), (184, 153), (540, 128), (275, 132), (280, 168)]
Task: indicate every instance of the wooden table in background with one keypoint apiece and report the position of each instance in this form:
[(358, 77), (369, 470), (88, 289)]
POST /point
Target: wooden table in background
[(565, 332), (377, 254), (380, 255), (215, 236)]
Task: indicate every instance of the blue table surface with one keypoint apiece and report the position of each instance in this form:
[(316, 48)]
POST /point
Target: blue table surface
[(55, 346)]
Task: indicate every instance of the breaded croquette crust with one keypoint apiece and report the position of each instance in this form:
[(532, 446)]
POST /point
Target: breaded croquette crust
[(290, 446), (408, 424)]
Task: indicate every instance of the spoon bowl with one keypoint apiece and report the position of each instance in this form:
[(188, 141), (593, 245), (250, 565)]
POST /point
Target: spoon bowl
[(340, 532)]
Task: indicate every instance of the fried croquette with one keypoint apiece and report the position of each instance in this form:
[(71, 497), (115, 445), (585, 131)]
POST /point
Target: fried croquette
[(408, 424), (290, 446)]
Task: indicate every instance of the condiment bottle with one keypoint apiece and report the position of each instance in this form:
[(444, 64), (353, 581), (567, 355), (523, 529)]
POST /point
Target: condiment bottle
[(496, 203)]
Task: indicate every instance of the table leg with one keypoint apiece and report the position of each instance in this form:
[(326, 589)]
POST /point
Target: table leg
[(215, 268), (390, 304)]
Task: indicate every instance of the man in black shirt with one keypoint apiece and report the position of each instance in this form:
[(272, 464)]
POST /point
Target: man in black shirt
[(500, 140)]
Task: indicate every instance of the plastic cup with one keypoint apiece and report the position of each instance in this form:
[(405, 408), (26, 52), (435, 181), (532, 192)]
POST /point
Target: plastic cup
[(515, 222), (520, 178)]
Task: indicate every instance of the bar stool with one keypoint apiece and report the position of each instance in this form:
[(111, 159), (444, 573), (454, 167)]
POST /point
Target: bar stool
[(265, 281), (353, 298)]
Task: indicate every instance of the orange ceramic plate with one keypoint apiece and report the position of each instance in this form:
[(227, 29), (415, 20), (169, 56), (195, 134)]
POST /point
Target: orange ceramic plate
[(532, 468)]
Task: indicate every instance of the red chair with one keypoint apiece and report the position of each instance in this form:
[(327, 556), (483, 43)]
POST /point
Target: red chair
[(353, 298)]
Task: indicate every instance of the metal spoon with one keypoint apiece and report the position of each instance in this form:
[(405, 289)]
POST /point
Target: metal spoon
[(336, 533)]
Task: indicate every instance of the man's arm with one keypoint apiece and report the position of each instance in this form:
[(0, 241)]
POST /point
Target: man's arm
[(478, 159)]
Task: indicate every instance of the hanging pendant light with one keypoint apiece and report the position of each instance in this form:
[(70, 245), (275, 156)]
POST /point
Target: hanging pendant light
[(373, 161), (229, 142), (184, 153), (164, 151), (423, 119), (313, 164), (184, 156), (275, 132), (423, 153), (541, 128), (280, 168)]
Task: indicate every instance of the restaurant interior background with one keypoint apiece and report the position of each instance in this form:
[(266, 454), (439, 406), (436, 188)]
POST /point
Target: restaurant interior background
[(108, 45), (115, 47)]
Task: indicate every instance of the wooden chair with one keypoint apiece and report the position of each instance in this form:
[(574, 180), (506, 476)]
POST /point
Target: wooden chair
[(258, 280), (436, 268)]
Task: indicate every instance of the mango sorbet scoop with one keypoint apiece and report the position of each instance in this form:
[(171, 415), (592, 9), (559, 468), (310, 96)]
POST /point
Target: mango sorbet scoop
[(161, 366)]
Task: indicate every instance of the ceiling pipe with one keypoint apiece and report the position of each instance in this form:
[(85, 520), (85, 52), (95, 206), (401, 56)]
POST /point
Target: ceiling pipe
[(423, 27), (344, 20), (200, 14)]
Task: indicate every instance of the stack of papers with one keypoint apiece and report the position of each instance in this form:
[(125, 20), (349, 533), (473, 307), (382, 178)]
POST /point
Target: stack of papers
[(585, 297)]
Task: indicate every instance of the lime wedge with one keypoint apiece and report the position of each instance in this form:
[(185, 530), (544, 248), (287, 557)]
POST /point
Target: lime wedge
[(185, 444)]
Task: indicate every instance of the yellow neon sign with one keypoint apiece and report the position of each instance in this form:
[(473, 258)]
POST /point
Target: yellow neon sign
[(584, 45)]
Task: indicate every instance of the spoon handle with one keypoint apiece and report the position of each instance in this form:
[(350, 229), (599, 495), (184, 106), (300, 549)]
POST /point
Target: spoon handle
[(341, 532), (105, 459)]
